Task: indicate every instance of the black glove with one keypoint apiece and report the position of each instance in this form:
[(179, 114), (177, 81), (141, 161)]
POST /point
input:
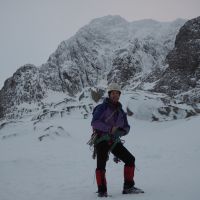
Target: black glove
[(119, 133)]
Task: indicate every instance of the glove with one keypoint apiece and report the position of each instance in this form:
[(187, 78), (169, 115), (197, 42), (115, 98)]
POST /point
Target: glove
[(119, 132), (114, 128)]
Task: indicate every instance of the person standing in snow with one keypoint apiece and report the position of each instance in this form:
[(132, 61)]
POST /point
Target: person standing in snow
[(109, 123)]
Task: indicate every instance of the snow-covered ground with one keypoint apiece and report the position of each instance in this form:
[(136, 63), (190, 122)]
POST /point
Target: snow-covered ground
[(61, 168)]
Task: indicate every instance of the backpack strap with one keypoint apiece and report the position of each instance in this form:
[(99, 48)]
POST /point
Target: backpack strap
[(112, 114)]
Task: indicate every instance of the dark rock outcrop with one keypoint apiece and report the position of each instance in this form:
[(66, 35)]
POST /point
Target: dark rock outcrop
[(183, 73)]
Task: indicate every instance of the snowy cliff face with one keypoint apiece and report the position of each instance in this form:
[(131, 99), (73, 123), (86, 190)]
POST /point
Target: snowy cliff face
[(182, 77), (76, 74), (24, 86), (111, 48)]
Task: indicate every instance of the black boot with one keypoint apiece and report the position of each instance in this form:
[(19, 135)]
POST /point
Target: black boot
[(129, 188), (102, 194)]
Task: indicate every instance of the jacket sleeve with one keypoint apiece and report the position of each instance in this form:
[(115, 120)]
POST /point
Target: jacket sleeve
[(97, 120)]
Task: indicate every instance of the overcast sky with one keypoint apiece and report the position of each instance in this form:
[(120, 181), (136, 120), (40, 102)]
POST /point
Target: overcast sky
[(30, 30)]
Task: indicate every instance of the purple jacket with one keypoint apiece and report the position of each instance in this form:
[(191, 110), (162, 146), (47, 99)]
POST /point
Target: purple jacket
[(107, 115)]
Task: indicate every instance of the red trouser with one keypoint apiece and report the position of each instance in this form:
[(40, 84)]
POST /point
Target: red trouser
[(123, 154)]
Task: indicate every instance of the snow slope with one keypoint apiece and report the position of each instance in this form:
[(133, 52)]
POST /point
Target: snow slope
[(60, 167)]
